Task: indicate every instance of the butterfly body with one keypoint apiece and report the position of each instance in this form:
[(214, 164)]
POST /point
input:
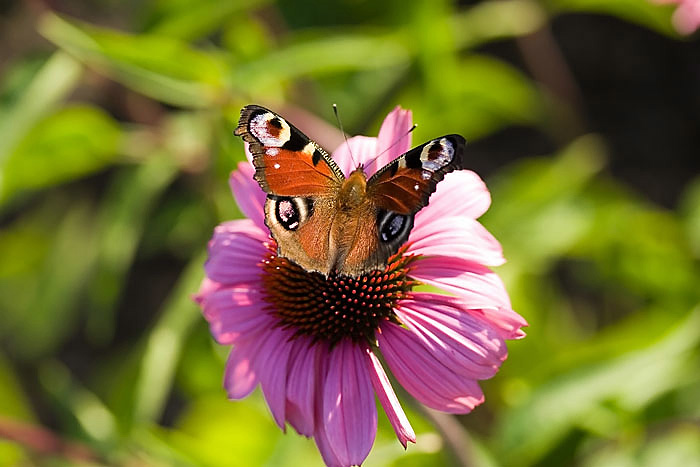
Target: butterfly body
[(326, 222)]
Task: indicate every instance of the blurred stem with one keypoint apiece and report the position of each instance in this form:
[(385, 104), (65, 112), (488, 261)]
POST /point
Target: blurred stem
[(44, 441), (547, 64), (455, 436)]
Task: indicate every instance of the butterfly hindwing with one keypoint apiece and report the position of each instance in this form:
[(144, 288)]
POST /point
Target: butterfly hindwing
[(287, 162), (404, 185)]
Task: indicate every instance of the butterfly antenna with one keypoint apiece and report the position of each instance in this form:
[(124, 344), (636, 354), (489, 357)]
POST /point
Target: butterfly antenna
[(340, 124), (392, 145)]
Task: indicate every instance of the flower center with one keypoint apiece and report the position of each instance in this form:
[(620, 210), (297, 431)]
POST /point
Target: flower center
[(334, 307)]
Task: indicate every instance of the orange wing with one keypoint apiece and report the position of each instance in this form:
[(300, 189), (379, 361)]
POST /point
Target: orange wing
[(405, 185), (287, 162)]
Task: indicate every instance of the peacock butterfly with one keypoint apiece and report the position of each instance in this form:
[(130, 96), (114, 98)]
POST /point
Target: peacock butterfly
[(326, 222)]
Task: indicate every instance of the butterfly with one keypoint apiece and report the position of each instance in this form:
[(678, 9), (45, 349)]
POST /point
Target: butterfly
[(329, 223)]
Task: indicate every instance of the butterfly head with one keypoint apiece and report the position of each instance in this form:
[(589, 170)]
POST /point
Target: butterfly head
[(353, 191)]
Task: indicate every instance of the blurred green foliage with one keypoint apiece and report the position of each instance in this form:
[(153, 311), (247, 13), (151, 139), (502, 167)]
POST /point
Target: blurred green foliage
[(96, 190)]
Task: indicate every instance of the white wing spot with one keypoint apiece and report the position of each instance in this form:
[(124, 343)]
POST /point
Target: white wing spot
[(277, 166), (416, 187), (444, 155), (259, 127)]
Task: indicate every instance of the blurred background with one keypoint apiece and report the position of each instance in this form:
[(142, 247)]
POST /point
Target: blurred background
[(116, 119)]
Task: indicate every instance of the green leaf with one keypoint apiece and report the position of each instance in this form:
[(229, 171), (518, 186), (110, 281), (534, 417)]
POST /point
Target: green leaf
[(311, 56), (490, 21), (13, 401), (71, 143), (643, 12), (587, 397), (690, 212), (41, 308), (537, 211), (163, 68), (217, 431), (165, 344), (54, 80), (194, 19), (124, 212)]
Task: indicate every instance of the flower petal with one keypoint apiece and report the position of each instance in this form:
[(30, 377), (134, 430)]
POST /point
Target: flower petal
[(358, 150), (235, 251), (472, 348), (476, 284), (205, 288), (240, 377), (423, 375), (473, 198), (301, 386), (393, 139), (504, 320), (388, 399), (320, 437), (349, 413), (271, 366), (461, 237), (686, 18), (248, 194), (234, 311)]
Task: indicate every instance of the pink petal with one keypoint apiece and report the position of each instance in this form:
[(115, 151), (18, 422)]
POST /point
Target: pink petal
[(240, 376), (476, 284), (248, 194), (393, 139), (301, 386), (207, 287), (271, 366), (504, 320), (320, 437), (388, 399), (461, 193), (461, 237), (358, 150), (235, 311), (424, 375), (325, 447), (349, 413), (686, 18), (235, 251), (471, 347)]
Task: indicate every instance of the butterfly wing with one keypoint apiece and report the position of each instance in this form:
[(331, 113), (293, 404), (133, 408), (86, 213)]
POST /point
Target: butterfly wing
[(302, 182), (395, 194), (404, 185), (287, 162)]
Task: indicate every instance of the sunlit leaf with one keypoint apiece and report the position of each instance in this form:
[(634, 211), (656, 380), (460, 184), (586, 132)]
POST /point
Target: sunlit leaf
[(54, 80), (191, 20), (44, 306), (582, 396), (164, 344), (123, 215), (163, 68), (71, 143), (535, 212), (321, 55), (643, 12), (13, 401)]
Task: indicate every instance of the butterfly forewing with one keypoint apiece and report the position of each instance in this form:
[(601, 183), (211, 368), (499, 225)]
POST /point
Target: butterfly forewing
[(287, 162), (405, 185)]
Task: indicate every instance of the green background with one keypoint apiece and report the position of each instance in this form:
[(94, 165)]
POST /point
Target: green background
[(116, 143)]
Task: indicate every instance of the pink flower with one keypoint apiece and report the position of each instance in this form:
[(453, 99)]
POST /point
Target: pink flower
[(323, 382), (686, 18)]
